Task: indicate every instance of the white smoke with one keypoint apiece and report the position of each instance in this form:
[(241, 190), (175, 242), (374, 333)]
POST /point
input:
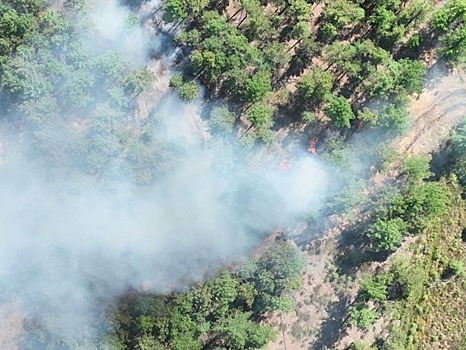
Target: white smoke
[(66, 245)]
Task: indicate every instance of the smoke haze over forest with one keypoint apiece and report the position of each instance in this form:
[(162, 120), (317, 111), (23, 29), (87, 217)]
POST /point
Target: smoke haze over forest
[(203, 175), (71, 237)]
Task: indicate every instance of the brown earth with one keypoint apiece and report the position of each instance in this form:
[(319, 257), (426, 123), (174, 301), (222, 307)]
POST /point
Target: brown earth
[(434, 113)]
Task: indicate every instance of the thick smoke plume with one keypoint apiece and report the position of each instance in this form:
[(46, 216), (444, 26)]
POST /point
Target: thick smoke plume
[(67, 245)]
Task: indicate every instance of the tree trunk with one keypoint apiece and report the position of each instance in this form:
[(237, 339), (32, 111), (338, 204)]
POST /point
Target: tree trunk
[(198, 74), (175, 27), (246, 132), (411, 20), (243, 112), (283, 10), (233, 15), (241, 22), (337, 81), (293, 46), (158, 24)]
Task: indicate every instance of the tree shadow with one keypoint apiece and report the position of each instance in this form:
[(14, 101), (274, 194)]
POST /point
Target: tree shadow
[(428, 41), (435, 72), (219, 5), (331, 330), (441, 163), (132, 4), (354, 250)]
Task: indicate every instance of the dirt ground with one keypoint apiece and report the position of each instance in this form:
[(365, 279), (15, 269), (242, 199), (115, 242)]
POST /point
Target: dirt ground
[(441, 106), (318, 320)]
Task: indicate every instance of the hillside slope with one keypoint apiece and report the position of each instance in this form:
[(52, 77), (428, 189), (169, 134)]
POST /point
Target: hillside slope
[(319, 319)]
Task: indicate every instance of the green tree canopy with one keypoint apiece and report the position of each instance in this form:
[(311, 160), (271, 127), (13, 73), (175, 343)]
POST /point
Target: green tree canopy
[(261, 115), (339, 111), (417, 168), (257, 86), (187, 91), (313, 87), (374, 287)]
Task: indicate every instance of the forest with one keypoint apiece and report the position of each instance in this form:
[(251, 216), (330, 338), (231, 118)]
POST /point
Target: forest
[(170, 170)]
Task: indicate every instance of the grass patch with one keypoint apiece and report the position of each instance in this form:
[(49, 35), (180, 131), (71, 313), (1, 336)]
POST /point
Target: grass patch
[(429, 312)]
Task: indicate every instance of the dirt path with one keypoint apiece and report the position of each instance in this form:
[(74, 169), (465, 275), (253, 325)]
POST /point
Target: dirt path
[(318, 320), (434, 114)]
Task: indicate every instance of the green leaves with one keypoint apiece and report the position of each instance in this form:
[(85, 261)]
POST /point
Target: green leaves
[(24, 77), (187, 91), (343, 57), (425, 202), (400, 78), (417, 168), (458, 152), (13, 28), (78, 87), (361, 316), (445, 15), (453, 45), (138, 80), (221, 120), (409, 76), (450, 20), (261, 115), (339, 111), (276, 56), (387, 234), (285, 264), (342, 13), (257, 86), (374, 287), (238, 332), (337, 15), (299, 9), (313, 87), (174, 11), (220, 313)]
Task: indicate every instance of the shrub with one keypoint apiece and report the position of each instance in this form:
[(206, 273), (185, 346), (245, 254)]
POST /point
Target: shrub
[(361, 316), (386, 235), (457, 267), (375, 287)]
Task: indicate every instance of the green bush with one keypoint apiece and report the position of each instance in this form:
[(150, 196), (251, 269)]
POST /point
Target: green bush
[(375, 287), (386, 235), (359, 345), (417, 168), (221, 120), (409, 278), (361, 316), (457, 267)]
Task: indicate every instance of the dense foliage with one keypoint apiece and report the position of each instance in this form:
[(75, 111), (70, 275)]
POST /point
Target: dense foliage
[(224, 312)]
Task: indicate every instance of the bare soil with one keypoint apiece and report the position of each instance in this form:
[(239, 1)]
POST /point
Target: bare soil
[(435, 112)]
